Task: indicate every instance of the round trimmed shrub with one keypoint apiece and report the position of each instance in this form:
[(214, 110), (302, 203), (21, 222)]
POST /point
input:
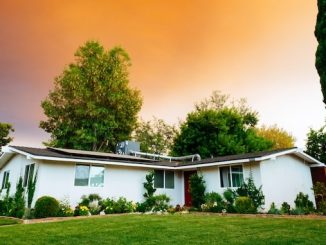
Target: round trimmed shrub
[(46, 206), (244, 205)]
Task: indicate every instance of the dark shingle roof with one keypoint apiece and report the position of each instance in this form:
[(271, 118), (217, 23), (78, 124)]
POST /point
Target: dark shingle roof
[(88, 155)]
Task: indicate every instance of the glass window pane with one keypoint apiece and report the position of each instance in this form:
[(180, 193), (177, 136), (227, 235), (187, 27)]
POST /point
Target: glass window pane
[(225, 177), (169, 179), (26, 174), (31, 172), (5, 180), (81, 176), (158, 178), (237, 169), (237, 179), (97, 176)]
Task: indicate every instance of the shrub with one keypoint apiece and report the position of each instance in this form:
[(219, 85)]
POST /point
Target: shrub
[(197, 190), (64, 209), (7, 202), (244, 205), (46, 206), (18, 206), (229, 195), (320, 195), (120, 206), (83, 210), (273, 209), (250, 190), (285, 208), (161, 203), (303, 203), (149, 185), (213, 202), (93, 202)]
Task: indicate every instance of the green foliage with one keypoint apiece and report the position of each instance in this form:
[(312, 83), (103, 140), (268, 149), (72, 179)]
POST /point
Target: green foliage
[(320, 195), (321, 52), (31, 185), (111, 206), (244, 205), (249, 189), (155, 136), (92, 202), (160, 203), (46, 206), (197, 190), (7, 202), (280, 138), (315, 145), (230, 196), (81, 211), (18, 209), (217, 133), (149, 185), (213, 202), (303, 203), (65, 209), (91, 106), (5, 129), (285, 208), (273, 209)]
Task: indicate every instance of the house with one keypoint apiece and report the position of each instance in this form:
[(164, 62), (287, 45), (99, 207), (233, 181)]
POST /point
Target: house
[(66, 173)]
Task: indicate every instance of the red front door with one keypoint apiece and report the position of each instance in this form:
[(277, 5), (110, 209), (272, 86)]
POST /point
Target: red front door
[(187, 187)]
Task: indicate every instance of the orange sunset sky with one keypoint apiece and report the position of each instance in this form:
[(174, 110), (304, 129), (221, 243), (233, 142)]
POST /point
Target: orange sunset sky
[(181, 50)]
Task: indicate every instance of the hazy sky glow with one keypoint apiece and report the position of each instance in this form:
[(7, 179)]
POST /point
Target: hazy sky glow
[(181, 51)]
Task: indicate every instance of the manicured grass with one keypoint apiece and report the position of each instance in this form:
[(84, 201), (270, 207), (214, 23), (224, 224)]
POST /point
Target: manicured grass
[(170, 229), (8, 221)]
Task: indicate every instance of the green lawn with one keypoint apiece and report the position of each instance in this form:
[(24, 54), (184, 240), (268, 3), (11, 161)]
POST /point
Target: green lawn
[(171, 229), (7, 221)]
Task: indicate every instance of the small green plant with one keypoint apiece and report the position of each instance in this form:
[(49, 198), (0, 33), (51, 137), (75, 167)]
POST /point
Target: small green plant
[(285, 208), (244, 205), (7, 201), (31, 190), (230, 196), (149, 185), (161, 203), (303, 203), (83, 211), (120, 206), (320, 195), (273, 209), (197, 190), (250, 190), (93, 202), (65, 209), (18, 206), (46, 206), (213, 202)]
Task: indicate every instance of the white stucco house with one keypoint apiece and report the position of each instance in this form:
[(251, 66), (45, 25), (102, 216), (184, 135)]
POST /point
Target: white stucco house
[(64, 173)]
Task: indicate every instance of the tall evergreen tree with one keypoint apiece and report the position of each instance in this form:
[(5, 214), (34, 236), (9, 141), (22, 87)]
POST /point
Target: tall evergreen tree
[(320, 33)]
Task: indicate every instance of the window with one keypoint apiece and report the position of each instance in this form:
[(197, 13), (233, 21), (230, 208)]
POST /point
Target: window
[(164, 178), (29, 173), (5, 180), (87, 175), (231, 176)]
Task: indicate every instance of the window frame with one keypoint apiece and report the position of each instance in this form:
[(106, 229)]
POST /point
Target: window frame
[(164, 179), (5, 179), (230, 175), (89, 175), (27, 175)]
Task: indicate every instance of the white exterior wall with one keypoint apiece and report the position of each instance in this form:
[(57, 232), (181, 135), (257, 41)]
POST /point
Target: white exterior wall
[(57, 179), (212, 176), (16, 168), (283, 178)]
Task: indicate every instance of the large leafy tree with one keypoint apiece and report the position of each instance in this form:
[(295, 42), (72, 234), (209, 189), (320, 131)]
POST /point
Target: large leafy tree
[(5, 129), (92, 106), (316, 144), (217, 133), (278, 136), (219, 126), (320, 33), (155, 136)]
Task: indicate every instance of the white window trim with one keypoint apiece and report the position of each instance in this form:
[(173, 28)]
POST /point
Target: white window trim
[(89, 175), (230, 168)]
